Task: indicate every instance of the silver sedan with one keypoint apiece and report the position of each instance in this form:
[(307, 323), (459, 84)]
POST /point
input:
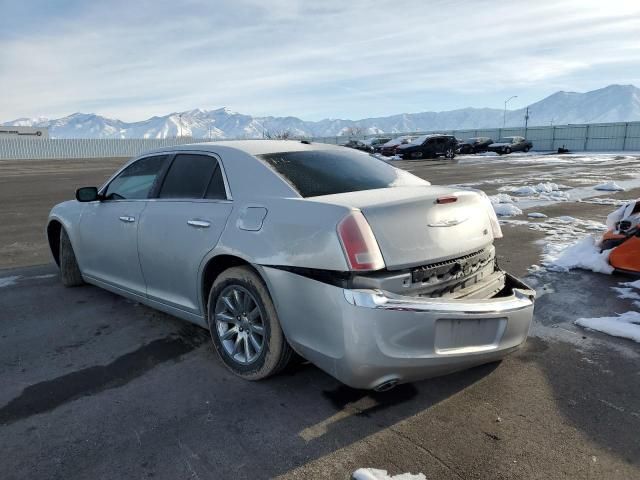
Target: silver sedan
[(369, 272)]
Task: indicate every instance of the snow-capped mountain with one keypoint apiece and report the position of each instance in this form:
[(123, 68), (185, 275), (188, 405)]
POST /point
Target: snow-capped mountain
[(615, 103)]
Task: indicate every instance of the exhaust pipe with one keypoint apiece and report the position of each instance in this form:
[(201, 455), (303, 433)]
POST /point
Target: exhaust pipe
[(386, 386)]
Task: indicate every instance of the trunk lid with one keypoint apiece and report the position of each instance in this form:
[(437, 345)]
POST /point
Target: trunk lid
[(412, 228)]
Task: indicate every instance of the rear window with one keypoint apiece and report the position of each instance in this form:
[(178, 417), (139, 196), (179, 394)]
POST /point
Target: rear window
[(326, 172)]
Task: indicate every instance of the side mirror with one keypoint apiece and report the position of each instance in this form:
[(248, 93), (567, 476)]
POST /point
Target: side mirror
[(87, 194)]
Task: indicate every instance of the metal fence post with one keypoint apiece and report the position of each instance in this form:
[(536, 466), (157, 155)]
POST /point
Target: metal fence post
[(624, 137), (586, 138)]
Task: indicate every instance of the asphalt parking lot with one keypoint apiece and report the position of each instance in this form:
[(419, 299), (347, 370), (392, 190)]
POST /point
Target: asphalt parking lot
[(97, 386)]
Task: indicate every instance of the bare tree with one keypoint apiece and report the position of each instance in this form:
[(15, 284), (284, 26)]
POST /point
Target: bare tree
[(353, 131), (278, 135)]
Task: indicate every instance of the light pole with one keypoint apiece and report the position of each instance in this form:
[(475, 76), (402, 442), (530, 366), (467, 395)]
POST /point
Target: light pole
[(504, 116), (180, 117)]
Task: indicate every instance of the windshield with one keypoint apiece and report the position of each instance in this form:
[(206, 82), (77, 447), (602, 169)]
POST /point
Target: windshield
[(505, 140), (326, 172), (420, 140)]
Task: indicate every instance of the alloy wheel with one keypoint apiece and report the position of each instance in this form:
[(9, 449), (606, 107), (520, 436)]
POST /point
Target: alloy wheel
[(240, 324)]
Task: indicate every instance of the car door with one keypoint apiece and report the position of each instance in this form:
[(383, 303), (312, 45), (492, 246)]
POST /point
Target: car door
[(108, 228), (180, 226)]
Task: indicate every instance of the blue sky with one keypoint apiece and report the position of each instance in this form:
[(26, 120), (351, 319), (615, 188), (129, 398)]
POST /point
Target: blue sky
[(338, 59)]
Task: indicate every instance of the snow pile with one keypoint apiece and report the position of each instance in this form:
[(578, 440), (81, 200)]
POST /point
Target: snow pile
[(626, 293), (503, 205), (605, 201), (568, 244), (536, 215), (8, 281), (487, 154), (545, 191), (375, 474), (610, 187), (625, 325), (583, 254), (546, 187)]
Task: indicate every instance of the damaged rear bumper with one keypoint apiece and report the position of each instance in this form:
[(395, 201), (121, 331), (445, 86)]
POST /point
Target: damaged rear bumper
[(366, 338)]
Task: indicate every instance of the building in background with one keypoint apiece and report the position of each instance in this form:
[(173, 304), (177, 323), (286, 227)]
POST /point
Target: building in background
[(23, 132)]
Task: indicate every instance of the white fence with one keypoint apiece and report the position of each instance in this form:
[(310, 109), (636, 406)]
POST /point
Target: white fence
[(592, 137), (25, 149)]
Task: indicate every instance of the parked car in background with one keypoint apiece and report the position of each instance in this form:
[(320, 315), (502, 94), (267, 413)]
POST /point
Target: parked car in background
[(474, 145), (507, 145), (375, 144), (357, 144), (389, 148), (369, 272), (429, 146)]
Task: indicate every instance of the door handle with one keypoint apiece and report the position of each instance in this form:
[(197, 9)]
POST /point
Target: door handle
[(126, 218), (199, 223)]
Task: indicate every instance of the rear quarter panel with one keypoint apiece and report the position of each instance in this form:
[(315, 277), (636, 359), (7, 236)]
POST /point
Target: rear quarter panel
[(295, 232)]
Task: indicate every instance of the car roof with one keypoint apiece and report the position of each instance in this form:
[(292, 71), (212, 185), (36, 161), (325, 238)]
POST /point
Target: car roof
[(252, 147)]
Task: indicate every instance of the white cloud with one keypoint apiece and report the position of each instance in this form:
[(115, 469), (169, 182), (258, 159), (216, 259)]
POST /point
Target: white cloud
[(349, 59)]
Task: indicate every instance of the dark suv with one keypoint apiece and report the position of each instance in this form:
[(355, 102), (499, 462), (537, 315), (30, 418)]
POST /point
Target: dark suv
[(429, 146)]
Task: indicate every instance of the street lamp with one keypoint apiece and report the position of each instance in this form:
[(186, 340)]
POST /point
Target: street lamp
[(504, 116), (180, 117)]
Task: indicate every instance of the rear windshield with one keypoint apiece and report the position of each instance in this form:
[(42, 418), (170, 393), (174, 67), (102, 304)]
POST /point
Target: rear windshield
[(325, 172)]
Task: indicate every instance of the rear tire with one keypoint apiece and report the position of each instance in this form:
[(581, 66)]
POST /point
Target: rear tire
[(526, 149), (244, 325), (507, 150), (69, 271), (450, 153)]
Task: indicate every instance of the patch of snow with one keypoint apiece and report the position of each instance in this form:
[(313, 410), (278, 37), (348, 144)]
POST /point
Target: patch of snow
[(487, 154), (605, 201), (626, 293), (506, 209), (503, 205), (502, 198), (609, 187), (546, 187), (635, 284), (8, 281), (625, 325), (584, 254), (536, 215), (375, 474)]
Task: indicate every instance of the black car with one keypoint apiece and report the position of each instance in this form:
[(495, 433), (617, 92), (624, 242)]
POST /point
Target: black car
[(507, 145), (474, 145), (375, 144), (357, 144), (429, 146)]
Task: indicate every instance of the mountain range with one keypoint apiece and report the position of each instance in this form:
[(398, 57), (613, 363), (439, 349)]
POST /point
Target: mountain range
[(615, 103)]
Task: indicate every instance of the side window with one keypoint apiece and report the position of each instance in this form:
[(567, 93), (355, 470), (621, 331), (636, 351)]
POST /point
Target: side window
[(189, 176), (136, 181), (215, 190)]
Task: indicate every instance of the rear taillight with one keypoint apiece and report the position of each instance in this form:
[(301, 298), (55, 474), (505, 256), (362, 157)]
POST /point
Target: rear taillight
[(446, 199), (359, 244)]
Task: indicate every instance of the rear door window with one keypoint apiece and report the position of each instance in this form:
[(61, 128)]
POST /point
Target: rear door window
[(189, 176), (326, 172)]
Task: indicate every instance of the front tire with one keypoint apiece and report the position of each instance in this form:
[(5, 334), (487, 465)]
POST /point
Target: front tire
[(507, 151), (69, 270), (450, 153), (244, 325)]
